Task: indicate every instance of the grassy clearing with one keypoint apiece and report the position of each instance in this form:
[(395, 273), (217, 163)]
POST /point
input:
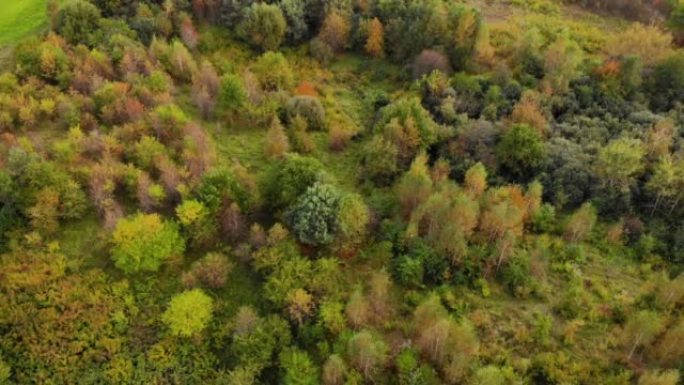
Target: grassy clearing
[(19, 18)]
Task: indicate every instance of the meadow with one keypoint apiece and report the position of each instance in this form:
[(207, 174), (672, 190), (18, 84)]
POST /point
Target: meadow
[(20, 18)]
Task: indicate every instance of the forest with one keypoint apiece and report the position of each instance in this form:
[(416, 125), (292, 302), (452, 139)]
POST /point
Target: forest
[(342, 192)]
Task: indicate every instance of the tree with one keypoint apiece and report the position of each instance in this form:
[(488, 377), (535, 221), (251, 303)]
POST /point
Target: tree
[(665, 85), (45, 213), (475, 182), (640, 330), (188, 313), (298, 368), (650, 43), (521, 151), (358, 309), (367, 353), (379, 160), (196, 221), (274, 72), (309, 108), (231, 94), (581, 223), (77, 21), (264, 26), (353, 218), (666, 183), (210, 271), (300, 305), (490, 375), (334, 370), (295, 14), (335, 31), (620, 162), (277, 144), (415, 186), (314, 217), (429, 61), (143, 242), (285, 181), (375, 43), (654, 377), (450, 344)]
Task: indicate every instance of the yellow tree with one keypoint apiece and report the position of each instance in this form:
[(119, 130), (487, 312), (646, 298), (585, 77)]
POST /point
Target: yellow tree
[(375, 44)]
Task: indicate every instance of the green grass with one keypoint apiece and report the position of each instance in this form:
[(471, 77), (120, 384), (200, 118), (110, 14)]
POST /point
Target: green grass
[(19, 18)]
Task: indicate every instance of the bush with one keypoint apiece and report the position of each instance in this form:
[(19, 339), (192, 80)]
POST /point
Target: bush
[(143, 242), (309, 108), (188, 313), (264, 26)]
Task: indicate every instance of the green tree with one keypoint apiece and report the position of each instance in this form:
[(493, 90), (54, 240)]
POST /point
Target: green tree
[(188, 313), (232, 95), (665, 85), (367, 353), (640, 330), (521, 151), (314, 217), (581, 223), (295, 14), (274, 72), (142, 242), (264, 26), (655, 377), (620, 162), (298, 368), (286, 180), (77, 21)]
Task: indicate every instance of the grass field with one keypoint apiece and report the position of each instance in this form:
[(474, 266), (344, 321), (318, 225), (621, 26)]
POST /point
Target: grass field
[(19, 18)]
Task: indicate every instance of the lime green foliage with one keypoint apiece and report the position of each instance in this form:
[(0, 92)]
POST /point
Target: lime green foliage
[(521, 150), (142, 242), (188, 313), (20, 18), (298, 369)]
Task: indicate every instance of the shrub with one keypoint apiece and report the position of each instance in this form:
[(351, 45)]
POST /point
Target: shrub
[(309, 108), (143, 242), (188, 313), (264, 26)]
